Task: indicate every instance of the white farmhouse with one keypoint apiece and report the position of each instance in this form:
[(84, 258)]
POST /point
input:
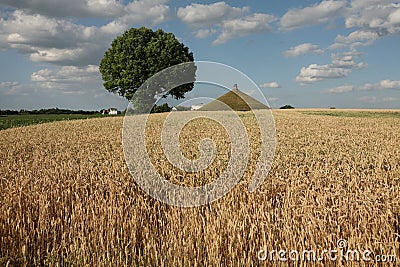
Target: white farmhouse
[(113, 111), (110, 111)]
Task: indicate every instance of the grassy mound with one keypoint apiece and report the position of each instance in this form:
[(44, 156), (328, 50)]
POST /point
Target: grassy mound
[(236, 100)]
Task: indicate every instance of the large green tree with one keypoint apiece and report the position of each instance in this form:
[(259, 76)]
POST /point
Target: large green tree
[(137, 55)]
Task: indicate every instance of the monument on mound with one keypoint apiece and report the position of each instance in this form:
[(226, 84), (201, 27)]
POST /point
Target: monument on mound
[(236, 100)]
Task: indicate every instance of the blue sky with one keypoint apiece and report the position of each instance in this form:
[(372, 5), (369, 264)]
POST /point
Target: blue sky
[(304, 53)]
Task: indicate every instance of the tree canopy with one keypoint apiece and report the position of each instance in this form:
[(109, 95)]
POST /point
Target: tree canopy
[(287, 107), (137, 55)]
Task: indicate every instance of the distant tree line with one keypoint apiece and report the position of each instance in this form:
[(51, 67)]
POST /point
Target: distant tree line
[(161, 108), (47, 111), (287, 107), (166, 108), (156, 109)]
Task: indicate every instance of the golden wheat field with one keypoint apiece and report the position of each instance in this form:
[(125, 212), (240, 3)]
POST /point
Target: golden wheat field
[(67, 198)]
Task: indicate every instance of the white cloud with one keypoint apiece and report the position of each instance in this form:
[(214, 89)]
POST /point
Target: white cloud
[(270, 85), (203, 33), (382, 85), (360, 4), (68, 79), (351, 88), (347, 60), (341, 89), (367, 87), (12, 88), (252, 24), (322, 12), (144, 12), (7, 85), (76, 56), (382, 17), (135, 11), (314, 73), (356, 38), (388, 84), (66, 73), (53, 40), (303, 49), (62, 42), (230, 22), (373, 19), (74, 8), (336, 46), (369, 14), (37, 30), (47, 31), (207, 15), (101, 8), (341, 66)]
